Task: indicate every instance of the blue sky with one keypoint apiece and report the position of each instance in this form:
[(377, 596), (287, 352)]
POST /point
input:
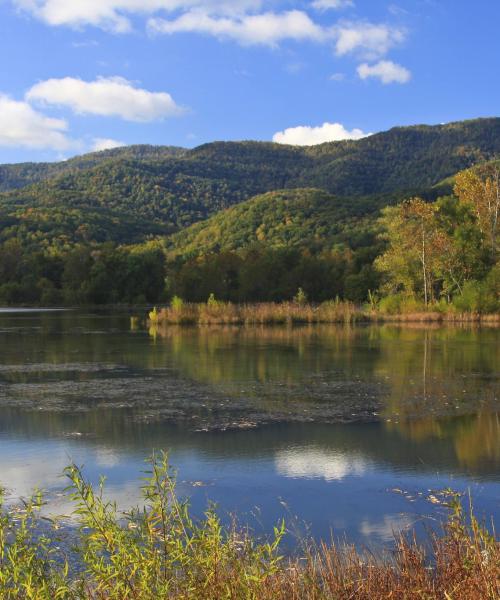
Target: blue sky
[(78, 75)]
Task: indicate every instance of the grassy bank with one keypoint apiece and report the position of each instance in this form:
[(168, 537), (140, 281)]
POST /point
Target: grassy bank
[(160, 551), (334, 311)]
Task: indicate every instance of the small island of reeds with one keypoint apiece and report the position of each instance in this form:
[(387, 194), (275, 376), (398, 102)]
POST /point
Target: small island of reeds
[(299, 311)]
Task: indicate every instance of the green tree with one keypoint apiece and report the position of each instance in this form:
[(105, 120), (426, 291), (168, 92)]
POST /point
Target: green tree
[(412, 261)]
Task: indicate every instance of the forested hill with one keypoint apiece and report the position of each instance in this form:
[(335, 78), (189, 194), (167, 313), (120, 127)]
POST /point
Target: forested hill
[(296, 218), (20, 175), (401, 159), (128, 194)]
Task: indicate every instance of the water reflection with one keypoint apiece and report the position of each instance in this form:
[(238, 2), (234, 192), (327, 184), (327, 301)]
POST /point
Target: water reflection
[(326, 419), (475, 438), (309, 463)]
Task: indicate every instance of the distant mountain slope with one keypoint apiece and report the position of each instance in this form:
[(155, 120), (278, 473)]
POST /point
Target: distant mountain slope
[(162, 189), (403, 158), (19, 175)]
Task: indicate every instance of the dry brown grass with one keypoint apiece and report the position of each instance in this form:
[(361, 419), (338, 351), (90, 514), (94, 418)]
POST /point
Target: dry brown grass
[(463, 563), (265, 313), (275, 313)]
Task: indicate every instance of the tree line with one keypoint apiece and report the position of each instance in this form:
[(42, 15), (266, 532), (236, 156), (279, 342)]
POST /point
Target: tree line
[(445, 251), (417, 254)]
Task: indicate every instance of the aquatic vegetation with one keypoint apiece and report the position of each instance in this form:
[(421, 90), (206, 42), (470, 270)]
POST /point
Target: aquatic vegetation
[(161, 551)]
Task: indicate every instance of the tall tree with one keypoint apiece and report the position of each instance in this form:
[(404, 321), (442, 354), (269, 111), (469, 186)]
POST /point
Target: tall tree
[(481, 189), (416, 244)]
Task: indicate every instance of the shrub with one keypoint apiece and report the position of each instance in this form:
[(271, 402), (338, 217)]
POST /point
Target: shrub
[(480, 297), (212, 301), (153, 315), (300, 297), (177, 304), (397, 304)]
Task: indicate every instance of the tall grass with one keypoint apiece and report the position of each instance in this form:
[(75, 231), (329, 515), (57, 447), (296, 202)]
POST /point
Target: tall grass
[(160, 552), (264, 313), (217, 312)]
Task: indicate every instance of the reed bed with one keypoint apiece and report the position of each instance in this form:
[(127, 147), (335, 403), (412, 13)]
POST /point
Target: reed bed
[(161, 552), (265, 313), (216, 312)]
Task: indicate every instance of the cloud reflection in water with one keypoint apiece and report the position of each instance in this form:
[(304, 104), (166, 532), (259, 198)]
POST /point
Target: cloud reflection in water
[(312, 463)]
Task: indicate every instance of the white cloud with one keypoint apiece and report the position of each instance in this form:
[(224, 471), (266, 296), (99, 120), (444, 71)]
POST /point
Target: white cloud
[(310, 136), (385, 70), (265, 29), (331, 4), (114, 14), (112, 96), (245, 21), (369, 40), (22, 126), (105, 144)]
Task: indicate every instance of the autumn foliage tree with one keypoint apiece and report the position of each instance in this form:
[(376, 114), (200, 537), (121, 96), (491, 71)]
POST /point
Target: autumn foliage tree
[(446, 249), (480, 189)]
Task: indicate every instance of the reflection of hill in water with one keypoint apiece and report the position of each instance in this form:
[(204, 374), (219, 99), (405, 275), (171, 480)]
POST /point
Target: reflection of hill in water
[(474, 438), (414, 370), (266, 352), (429, 386)]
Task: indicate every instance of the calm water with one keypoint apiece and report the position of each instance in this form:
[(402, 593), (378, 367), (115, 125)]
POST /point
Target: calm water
[(350, 430)]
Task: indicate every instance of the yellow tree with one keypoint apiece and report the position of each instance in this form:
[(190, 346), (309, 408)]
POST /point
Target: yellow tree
[(481, 190)]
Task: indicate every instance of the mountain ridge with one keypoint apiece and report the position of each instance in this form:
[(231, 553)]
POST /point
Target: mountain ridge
[(165, 189)]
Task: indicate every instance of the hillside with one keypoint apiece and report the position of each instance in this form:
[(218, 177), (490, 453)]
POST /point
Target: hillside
[(286, 218), (127, 195), (20, 175)]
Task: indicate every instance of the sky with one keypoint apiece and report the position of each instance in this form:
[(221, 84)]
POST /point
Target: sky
[(84, 75)]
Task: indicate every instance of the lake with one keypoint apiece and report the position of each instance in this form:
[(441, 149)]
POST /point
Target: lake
[(346, 431)]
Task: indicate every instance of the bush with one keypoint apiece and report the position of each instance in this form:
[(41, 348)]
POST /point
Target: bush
[(480, 297), (300, 297), (177, 304), (398, 304)]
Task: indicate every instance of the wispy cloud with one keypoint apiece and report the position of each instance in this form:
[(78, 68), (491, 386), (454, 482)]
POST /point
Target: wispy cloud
[(337, 77), (114, 15), (248, 22), (85, 44), (266, 29), (100, 144), (305, 135), (331, 4), (110, 97)]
